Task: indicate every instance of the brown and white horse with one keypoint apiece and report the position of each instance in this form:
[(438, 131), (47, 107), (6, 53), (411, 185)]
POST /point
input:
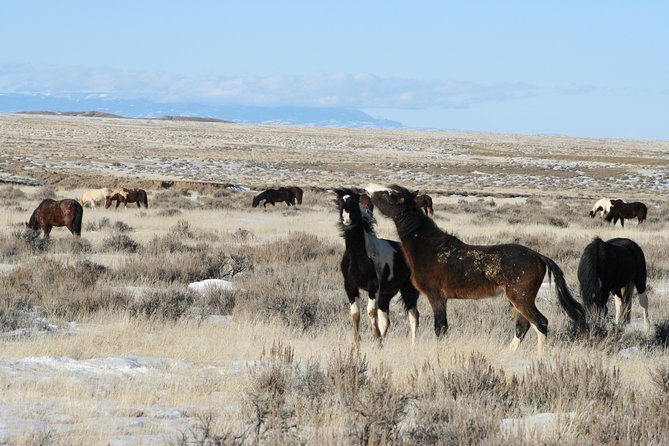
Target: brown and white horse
[(443, 267)]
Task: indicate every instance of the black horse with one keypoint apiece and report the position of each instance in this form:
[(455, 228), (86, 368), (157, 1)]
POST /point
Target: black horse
[(621, 211), (372, 264), (616, 266), (272, 196)]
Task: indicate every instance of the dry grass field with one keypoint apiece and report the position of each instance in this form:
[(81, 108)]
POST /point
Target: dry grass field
[(102, 341)]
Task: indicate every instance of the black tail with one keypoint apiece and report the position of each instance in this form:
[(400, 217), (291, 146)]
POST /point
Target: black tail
[(76, 223), (573, 309), (588, 273)]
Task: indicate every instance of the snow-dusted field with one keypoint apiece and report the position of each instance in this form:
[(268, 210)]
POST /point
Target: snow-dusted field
[(110, 379)]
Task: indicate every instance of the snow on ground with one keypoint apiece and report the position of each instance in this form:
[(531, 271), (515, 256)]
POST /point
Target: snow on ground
[(206, 284), (540, 423)]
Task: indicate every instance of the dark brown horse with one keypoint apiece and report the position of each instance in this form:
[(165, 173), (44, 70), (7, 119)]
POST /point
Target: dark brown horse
[(424, 202), (443, 267), (297, 193), (52, 213), (272, 196), (621, 210)]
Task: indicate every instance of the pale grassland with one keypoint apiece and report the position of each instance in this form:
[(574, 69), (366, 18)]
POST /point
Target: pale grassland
[(145, 361)]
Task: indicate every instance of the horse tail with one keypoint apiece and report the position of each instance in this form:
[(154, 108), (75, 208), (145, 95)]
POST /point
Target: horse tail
[(644, 211), (573, 309), (76, 222), (145, 199), (588, 272)]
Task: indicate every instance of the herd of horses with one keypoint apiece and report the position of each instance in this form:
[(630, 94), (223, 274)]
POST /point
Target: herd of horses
[(431, 261)]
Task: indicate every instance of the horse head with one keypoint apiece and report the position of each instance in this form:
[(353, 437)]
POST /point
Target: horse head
[(394, 200), (256, 201), (108, 200), (354, 207)]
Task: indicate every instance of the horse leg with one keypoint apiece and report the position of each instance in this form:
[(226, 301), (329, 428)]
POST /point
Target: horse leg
[(410, 297), (624, 305), (522, 326), (531, 313), (372, 306), (47, 230), (643, 300), (384, 313), (440, 315), (353, 295)]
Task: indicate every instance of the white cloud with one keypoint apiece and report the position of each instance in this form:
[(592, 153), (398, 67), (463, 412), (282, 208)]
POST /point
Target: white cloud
[(359, 90)]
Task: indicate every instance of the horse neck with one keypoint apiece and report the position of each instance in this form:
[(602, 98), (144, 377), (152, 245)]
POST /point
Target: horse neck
[(354, 238), (412, 222)]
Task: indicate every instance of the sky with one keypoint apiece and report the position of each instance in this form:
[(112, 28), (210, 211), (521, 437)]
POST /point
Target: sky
[(581, 68)]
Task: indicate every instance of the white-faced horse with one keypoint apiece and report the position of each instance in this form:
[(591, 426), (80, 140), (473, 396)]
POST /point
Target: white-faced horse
[(602, 206), (94, 196)]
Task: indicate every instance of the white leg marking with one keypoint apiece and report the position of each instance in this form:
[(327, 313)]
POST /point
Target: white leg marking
[(413, 323), (515, 342), (619, 308), (355, 314), (384, 322), (371, 312), (643, 300), (541, 340)]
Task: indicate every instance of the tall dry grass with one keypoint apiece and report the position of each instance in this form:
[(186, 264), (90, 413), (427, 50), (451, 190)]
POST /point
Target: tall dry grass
[(302, 382)]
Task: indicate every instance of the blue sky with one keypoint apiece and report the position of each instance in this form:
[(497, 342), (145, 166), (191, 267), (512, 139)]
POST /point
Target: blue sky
[(551, 67)]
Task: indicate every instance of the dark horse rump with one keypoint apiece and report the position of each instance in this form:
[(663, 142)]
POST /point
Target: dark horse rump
[(621, 211), (297, 193), (614, 266), (52, 213), (272, 196), (443, 267), (425, 202)]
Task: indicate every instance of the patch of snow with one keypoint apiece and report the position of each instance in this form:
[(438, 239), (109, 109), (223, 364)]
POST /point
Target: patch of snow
[(206, 284), (539, 423), (628, 353)]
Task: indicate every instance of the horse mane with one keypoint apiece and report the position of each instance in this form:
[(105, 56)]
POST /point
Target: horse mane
[(411, 218), (588, 271)]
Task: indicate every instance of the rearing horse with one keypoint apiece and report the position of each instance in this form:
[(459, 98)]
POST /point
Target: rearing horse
[(443, 267)]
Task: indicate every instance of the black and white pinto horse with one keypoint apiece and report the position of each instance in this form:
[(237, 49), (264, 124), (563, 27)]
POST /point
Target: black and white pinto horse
[(614, 266), (372, 264), (601, 207)]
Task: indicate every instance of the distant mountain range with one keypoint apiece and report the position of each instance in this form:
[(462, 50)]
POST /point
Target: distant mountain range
[(75, 104)]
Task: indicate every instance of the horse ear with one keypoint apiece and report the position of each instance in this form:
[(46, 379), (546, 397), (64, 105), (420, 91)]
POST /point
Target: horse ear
[(365, 200), (414, 193)]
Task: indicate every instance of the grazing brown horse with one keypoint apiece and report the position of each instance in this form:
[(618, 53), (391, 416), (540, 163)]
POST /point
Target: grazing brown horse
[(424, 202), (621, 210), (272, 196), (52, 213), (297, 194), (116, 196), (443, 267)]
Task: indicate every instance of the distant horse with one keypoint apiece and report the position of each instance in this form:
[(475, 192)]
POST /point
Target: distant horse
[(94, 196), (601, 206), (136, 196), (52, 213), (297, 193), (372, 264), (116, 196), (272, 196), (443, 267), (126, 196), (424, 202), (621, 211), (616, 266)]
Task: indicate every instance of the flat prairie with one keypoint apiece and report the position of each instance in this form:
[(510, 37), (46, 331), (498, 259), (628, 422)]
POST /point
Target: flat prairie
[(202, 320)]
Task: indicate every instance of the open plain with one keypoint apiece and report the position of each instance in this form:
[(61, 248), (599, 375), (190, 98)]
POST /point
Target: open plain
[(202, 320)]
